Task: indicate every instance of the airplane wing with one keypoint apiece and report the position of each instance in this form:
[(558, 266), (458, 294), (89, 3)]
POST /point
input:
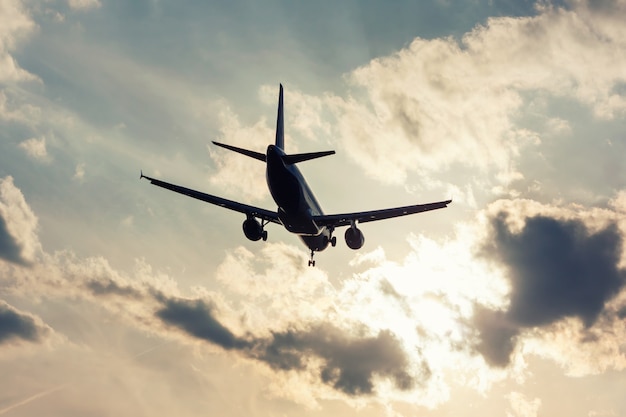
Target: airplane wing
[(267, 215), (337, 220)]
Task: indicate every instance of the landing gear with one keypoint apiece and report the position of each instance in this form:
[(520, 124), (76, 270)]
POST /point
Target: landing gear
[(264, 233), (312, 261), (332, 239)]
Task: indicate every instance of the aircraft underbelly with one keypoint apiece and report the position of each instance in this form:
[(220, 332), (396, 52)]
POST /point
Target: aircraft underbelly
[(299, 223), (317, 243)]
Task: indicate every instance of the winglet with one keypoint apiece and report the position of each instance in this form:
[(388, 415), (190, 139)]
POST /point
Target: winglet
[(141, 176)]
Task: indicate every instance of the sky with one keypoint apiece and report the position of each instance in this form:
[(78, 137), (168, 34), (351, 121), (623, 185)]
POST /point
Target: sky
[(121, 298)]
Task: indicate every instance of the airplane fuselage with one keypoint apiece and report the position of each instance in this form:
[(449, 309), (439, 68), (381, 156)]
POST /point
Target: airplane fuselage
[(296, 203)]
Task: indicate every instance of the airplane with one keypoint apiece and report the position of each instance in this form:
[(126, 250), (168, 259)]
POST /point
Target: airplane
[(298, 210)]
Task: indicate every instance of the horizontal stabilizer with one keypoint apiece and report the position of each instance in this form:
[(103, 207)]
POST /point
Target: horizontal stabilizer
[(299, 157), (251, 154)]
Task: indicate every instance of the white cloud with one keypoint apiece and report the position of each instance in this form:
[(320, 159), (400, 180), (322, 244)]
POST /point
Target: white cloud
[(579, 351), (523, 407), (15, 24), (439, 102), (35, 148), (23, 113), (304, 115), (619, 202), (236, 172), (272, 281), (79, 172)]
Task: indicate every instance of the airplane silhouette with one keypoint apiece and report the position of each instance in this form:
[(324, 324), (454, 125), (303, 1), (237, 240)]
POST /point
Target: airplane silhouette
[(298, 210)]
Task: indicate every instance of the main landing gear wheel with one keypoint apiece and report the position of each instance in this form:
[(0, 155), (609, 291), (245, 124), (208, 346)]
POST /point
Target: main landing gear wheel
[(332, 239), (312, 261)]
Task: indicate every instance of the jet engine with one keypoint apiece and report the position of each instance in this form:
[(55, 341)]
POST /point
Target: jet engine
[(253, 229), (354, 238)]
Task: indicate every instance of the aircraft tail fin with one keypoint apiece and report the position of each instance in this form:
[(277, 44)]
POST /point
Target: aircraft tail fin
[(299, 157), (280, 123), (251, 154)]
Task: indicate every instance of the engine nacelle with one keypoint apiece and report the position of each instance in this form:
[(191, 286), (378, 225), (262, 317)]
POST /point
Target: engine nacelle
[(354, 238), (253, 230)]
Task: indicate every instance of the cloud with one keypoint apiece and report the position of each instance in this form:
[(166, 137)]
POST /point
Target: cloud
[(582, 351), (79, 173), (236, 171), (19, 242), (15, 24), (497, 335), (35, 148), (348, 363), (444, 102), (196, 318), (523, 407), (18, 325), (9, 249), (105, 286), (392, 331), (262, 278), (350, 359), (558, 268), (12, 110)]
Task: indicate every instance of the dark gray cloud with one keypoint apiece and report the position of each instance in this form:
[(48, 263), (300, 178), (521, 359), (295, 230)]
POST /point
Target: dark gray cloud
[(17, 325), (107, 286), (557, 268), (497, 335), (349, 363), (9, 249), (196, 318)]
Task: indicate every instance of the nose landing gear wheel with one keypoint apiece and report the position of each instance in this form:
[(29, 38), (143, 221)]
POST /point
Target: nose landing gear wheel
[(312, 261)]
